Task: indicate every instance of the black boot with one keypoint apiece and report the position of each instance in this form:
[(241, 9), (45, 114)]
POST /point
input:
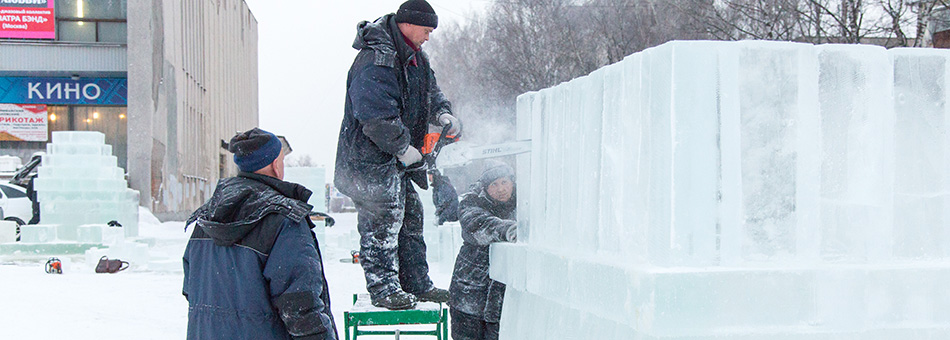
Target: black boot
[(434, 295), (396, 301)]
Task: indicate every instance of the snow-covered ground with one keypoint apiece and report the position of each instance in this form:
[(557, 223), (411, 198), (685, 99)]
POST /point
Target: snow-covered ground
[(140, 304)]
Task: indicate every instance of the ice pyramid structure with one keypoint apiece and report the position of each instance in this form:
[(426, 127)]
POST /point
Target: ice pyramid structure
[(79, 183), (735, 190)]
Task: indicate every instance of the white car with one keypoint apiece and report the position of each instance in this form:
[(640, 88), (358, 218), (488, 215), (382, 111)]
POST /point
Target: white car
[(14, 204)]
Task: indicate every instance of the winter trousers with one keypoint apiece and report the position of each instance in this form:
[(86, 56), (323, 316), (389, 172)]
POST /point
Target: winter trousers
[(392, 250), (470, 327)]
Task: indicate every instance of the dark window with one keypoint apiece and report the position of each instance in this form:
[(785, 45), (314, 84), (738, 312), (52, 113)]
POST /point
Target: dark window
[(11, 192)]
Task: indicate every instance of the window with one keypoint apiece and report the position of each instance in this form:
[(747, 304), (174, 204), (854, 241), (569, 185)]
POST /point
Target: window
[(77, 31), (114, 32), (92, 20), (92, 9), (10, 192)]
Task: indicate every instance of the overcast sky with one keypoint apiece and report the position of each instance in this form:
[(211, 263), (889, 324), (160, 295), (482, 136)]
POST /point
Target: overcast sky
[(304, 54)]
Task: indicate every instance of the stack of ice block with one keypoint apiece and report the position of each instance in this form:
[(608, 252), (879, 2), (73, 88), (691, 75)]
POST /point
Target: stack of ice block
[(313, 178), (79, 183), (740, 190)]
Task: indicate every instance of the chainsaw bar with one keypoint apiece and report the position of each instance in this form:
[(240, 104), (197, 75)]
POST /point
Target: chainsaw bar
[(462, 153)]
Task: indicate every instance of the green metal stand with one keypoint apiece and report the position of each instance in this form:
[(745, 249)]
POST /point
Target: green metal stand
[(364, 314)]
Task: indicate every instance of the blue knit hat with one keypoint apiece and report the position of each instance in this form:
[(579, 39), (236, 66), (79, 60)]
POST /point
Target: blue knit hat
[(254, 149)]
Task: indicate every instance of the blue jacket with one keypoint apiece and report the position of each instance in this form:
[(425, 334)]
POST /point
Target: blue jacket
[(391, 97), (253, 268)]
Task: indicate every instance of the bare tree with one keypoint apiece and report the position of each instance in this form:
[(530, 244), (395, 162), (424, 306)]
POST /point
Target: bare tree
[(925, 10), (749, 19), (519, 46), (527, 45)]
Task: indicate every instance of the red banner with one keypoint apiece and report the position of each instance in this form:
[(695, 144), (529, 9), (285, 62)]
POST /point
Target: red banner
[(28, 22)]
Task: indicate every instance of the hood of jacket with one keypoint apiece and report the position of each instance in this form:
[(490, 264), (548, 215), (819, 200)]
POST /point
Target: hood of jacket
[(384, 38), (240, 203)]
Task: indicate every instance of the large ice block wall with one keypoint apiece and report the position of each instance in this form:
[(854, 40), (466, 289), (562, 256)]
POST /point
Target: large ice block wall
[(740, 190), (79, 183)]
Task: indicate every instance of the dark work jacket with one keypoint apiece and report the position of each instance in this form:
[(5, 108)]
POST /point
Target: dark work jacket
[(484, 221), (253, 268), (389, 104)]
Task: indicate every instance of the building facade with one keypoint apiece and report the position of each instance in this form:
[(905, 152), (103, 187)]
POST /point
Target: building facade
[(165, 81)]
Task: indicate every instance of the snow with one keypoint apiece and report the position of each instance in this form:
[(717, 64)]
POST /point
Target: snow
[(139, 303)]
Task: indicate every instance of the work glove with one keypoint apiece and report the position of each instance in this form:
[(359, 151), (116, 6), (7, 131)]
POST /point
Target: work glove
[(409, 157), (511, 235), (447, 119)]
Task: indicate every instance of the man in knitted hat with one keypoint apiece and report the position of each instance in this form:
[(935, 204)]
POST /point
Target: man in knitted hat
[(487, 215), (253, 268), (391, 98)]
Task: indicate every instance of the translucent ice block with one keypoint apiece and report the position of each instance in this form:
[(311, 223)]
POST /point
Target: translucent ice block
[(611, 168), (67, 232), (922, 154), (589, 144), (778, 116), (7, 231), (38, 233), (87, 137), (90, 233), (856, 150)]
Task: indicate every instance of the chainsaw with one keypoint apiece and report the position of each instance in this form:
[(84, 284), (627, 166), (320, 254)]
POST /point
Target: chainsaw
[(434, 141), (442, 151), (463, 153)]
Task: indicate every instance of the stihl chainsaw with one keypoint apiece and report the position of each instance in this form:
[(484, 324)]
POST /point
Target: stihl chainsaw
[(442, 151)]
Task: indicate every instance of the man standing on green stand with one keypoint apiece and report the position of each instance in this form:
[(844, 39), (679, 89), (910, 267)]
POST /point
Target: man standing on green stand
[(391, 99)]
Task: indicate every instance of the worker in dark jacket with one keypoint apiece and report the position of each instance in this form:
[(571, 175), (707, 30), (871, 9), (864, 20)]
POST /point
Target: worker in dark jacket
[(391, 98), (487, 215), (253, 268)]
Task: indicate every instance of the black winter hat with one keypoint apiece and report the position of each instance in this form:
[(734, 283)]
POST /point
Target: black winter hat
[(254, 149), (417, 12)]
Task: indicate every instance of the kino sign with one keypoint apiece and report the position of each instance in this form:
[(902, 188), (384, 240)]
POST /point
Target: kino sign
[(58, 90), (64, 91)]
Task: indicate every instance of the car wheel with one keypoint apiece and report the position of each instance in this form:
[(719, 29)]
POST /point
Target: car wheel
[(19, 222)]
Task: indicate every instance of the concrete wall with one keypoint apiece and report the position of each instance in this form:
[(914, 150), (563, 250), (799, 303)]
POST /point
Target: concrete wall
[(192, 82)]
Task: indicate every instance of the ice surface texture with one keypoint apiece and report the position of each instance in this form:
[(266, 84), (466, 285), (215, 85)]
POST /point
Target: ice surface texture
[(741, 189)]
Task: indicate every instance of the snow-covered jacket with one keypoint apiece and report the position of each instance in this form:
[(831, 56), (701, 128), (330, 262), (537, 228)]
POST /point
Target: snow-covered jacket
[(391, 96), (253, 268), (484, 221)]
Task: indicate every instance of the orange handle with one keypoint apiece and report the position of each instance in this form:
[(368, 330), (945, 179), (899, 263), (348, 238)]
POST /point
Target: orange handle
[(429, 142)]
